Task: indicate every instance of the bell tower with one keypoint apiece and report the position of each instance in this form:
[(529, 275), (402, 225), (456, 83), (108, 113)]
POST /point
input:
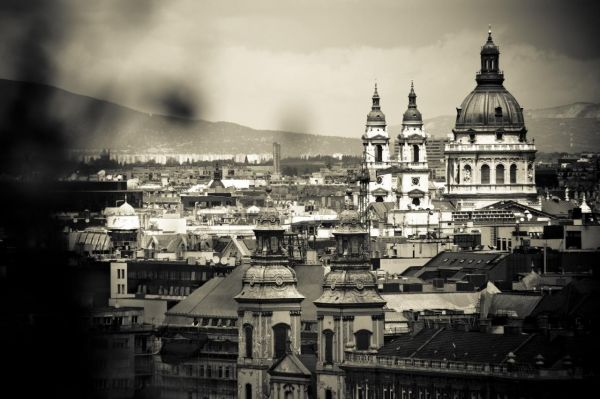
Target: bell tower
[(268, 313), (376, 153), (350, 316), (413, 177)]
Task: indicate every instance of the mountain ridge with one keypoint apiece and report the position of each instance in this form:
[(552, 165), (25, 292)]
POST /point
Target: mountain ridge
[(87, 122)]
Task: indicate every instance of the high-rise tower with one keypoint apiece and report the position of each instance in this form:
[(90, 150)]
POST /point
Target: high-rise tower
[(489, 158), (350, 310)]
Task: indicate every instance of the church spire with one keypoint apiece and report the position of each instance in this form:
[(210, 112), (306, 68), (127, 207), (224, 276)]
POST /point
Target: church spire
[(412, 116), (376, 118)]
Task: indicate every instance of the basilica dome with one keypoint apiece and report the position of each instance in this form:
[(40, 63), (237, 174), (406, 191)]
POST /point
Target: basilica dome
[(490, 106)]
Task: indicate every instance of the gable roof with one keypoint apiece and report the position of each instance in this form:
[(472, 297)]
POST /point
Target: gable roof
[(216, 300), (289, 365), (516, 206)]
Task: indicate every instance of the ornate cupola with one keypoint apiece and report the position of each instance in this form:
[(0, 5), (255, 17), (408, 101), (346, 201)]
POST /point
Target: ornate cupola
[(350, 280), (490, 72), (350, 316), (412, 116), (376, 118), (269, 311), (269, 277)]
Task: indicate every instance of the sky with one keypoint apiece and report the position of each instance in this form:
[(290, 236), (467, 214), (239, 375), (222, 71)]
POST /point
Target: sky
[(306, 66)]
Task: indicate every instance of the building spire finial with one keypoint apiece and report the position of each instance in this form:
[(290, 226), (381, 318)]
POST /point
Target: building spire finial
[(490, 32)]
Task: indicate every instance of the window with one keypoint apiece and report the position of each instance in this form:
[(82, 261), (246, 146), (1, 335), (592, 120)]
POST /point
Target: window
[(248, 391), (415, 153), (328, 394), (363, 340), (248, 337), (485, 174), (416, 202), (280, 334), (467, 174), (378, 153), (471, 137), (500, 174), (498, 114), (513, 174), (499, 136), (328, 345), (573, 240)]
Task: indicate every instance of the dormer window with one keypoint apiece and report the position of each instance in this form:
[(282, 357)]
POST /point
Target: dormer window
[(499, 136), (498, 112)]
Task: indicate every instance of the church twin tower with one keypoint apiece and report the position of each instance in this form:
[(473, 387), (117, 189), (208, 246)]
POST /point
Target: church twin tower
[(403, 179), (350, 316)]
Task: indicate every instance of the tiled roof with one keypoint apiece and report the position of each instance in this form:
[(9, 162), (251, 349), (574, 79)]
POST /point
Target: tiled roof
[(215, 297), (515, 305)]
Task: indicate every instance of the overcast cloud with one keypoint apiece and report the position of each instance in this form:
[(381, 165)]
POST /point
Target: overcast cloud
[(300, 65)]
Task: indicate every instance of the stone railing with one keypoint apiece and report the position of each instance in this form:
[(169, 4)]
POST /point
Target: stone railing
[(455, 147), (461, 188), (454, 367)]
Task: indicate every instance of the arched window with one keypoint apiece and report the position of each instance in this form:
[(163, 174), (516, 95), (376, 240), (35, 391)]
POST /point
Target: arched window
[(378, 153), (280, 335), (416, 202), (379, 198), (328, 394), (500, 174), (485, 174), (363, 340), (467, 174), (249, 338), (415, 153), (513, 174), (328, 346), (248, 391)]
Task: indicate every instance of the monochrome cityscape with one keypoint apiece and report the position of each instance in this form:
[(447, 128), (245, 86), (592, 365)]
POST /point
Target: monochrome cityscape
[(148, 252)]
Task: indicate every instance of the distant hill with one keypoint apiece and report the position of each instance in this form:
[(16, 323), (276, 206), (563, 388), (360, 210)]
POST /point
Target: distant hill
[(568, 128), (86, 122)]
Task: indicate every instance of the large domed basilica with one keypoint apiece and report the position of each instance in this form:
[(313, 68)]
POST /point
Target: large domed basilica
[(490, 158)]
